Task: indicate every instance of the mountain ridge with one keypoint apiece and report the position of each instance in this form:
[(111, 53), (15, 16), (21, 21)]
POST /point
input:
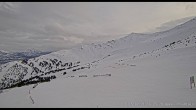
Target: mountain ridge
[(135, 45)]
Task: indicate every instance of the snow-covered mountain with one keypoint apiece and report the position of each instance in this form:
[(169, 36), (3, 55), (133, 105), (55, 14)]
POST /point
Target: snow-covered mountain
[(6, 57), (3, 52), (138, 70)]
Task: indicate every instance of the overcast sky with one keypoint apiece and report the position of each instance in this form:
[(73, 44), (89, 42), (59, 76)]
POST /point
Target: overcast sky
[(62, 25)]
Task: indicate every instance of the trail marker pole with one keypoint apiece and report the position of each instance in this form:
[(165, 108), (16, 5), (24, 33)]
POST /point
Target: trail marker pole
[(192, 81)]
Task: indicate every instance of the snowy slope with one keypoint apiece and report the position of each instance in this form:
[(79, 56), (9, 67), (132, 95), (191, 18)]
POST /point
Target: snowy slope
[(138, 70)]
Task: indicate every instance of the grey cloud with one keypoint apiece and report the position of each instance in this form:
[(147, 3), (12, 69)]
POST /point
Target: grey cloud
[(9, 6), (64, 25), (172, 24)]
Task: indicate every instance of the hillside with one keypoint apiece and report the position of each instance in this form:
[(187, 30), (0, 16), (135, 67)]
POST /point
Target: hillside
[(138, 70)]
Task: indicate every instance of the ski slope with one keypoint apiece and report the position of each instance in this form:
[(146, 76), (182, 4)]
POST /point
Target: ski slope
[(139, 70)]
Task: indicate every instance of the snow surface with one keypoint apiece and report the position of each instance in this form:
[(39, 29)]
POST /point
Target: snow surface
[(142, 70)]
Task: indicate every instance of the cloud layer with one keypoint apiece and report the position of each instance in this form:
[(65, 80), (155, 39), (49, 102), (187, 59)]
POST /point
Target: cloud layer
[(54, 26)]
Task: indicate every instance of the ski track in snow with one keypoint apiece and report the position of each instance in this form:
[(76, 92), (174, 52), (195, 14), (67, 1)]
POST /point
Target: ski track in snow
[(30, 96)]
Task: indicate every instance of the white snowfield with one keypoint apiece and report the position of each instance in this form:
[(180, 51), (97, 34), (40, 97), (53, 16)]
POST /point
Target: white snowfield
[(139, 70)]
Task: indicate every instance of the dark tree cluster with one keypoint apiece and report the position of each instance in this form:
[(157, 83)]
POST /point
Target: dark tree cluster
[(54, 71), (102, 75), (45, 65), (33, 80), (83, 76), (80, 68), (25, 61), (14, 75), (64, 73), (36, 70)]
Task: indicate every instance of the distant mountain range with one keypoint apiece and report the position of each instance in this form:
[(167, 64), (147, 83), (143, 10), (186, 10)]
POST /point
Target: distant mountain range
[(6, 57)]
